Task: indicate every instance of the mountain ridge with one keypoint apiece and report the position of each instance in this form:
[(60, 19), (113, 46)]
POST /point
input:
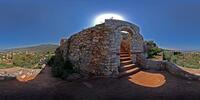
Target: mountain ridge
[(35, 48)]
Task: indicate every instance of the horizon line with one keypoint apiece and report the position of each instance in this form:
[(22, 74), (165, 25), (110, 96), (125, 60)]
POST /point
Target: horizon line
[(29, 45)]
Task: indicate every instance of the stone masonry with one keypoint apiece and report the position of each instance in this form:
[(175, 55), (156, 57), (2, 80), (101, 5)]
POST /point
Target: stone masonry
[(95, 51)]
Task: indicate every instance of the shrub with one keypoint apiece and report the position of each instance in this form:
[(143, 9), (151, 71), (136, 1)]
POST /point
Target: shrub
[(3, 65), (167, 55), (152, 49), (60, 67), (50, 61), (25, 60), (189, 60), (174, 59), (150, 43), (177, 53)]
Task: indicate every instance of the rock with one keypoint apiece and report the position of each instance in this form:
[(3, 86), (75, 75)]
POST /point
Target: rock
[(20, 72), (2, 78), (23, 76), (43, 66), (73, 76)]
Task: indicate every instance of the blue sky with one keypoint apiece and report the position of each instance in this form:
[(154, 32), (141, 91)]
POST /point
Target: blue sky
[(170, 23)]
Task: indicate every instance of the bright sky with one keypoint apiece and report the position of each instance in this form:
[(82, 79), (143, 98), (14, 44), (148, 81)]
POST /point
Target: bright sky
[(171, 23)]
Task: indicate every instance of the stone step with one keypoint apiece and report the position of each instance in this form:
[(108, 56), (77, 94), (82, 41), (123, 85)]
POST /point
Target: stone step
[(129, 72), (125, 58), (127, 67), (126, 62), (124, 53)]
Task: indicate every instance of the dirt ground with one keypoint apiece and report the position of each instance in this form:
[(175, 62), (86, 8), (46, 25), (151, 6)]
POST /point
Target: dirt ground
[(46, 87)]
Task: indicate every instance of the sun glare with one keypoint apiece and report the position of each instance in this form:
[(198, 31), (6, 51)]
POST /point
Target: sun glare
[(101, 18)]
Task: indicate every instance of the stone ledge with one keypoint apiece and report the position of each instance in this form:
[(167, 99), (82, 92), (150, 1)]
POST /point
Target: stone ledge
[(171, 68)]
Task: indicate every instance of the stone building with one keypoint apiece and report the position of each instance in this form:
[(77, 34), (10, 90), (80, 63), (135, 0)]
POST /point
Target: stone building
[(98, 50)]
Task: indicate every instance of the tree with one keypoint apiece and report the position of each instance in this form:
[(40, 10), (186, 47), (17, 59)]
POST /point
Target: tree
[(152, 49)]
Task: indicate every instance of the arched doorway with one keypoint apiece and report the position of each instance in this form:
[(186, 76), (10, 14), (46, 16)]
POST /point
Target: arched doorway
[(135, 43), (125, 42), (127, 62)]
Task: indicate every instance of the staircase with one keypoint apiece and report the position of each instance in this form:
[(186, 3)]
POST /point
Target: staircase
[(127, 66)]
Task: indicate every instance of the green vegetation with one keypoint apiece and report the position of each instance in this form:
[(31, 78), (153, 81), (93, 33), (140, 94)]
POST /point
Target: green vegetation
[(30, 57), (184, 59), (27, 60), (3, 65), (152, 49), (60, 67)]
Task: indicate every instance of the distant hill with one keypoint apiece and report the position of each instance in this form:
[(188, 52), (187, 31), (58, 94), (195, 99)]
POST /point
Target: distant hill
[(38, 48), (190, 50), (182, 50)]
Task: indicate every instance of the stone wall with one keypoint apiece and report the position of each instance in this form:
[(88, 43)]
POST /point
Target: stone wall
[(89, 51), (175, 70), (155, 65), (95, 51), (171, 68)]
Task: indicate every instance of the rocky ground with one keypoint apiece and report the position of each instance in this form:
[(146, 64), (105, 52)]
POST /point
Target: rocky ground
[(46, 87), (21, 74)]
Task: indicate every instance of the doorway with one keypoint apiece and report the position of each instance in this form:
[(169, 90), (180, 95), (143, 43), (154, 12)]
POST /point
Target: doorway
[(127, 66)]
